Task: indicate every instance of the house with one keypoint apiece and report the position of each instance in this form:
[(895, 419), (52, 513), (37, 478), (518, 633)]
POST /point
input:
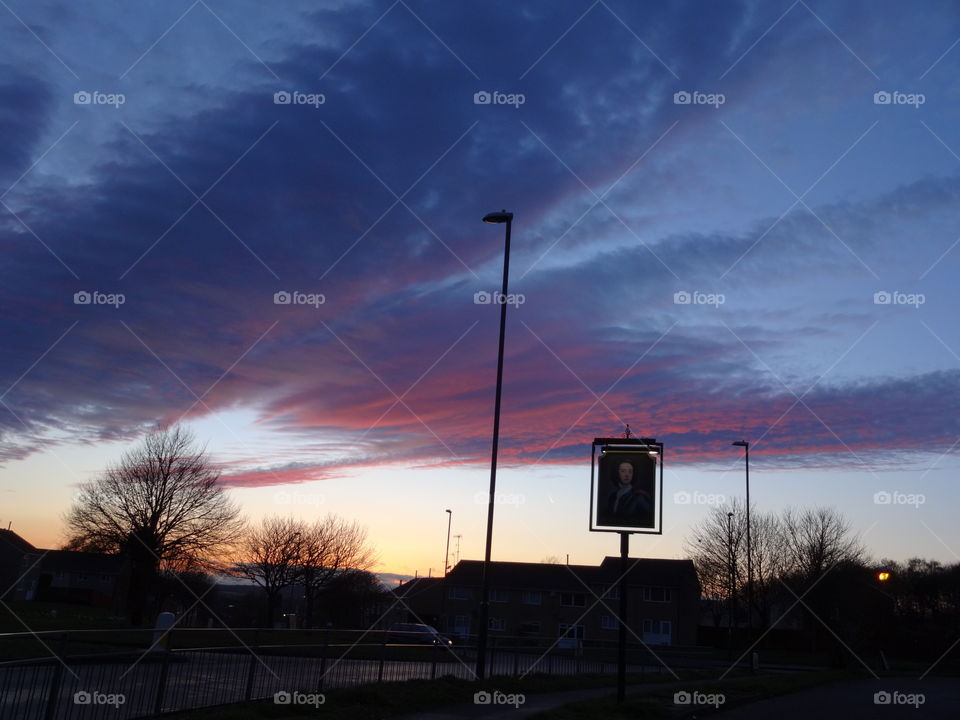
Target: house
[(84, 578), (424, 594), (579, 603), (13, 548)]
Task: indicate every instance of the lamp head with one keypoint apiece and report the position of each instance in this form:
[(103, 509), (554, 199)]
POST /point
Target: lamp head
[(498, 217), (741, 443)]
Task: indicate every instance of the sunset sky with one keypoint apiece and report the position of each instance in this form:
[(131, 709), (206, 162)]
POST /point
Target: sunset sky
[(733, 220)]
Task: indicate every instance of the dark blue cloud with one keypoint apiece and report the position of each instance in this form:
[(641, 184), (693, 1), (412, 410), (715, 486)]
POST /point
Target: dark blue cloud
[(297, 197)]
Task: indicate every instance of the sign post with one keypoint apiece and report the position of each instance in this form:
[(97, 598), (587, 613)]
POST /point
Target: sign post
[(626, 496)]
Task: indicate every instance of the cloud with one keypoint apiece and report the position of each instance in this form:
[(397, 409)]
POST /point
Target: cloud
[(373, 199)]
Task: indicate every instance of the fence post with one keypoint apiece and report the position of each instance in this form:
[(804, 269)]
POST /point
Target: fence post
[(252, 670), (323, 658), (516, 662), (383, 652), (164, 664), (54, 695), (433, 662)]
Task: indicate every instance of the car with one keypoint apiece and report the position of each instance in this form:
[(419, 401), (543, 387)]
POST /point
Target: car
[(417, 634)]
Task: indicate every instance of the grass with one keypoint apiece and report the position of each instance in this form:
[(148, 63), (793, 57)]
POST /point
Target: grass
[(44, 616)]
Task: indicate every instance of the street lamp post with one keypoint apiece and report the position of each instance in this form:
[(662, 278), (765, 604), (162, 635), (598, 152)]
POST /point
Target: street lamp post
[(446, 554), (495, 218), (444, 591), (731, 587), (746, 446)]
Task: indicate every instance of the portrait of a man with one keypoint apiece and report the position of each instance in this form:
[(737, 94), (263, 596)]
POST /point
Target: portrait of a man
[(626, 490)]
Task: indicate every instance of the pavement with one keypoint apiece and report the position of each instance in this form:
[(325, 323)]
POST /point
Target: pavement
[(893, 698), (505, 707)]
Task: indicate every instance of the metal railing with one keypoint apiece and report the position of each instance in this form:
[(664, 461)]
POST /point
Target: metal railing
[(130, 673)]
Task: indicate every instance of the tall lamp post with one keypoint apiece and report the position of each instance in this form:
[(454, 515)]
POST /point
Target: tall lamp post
[(496, 218), (446, 554), (746, 446)]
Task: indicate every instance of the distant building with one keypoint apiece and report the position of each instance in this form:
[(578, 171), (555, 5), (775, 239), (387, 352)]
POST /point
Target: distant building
[(576, 602), (84, 578), (13, 549)]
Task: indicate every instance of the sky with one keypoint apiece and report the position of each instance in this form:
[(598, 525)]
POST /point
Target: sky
[(732, 220)]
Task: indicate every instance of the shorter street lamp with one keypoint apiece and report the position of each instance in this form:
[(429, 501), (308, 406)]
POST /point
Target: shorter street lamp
[(746, 446)]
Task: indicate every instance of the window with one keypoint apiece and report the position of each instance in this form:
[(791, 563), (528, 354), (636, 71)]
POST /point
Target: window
[(657, 627), (459, 593), (608, 622), (531, 597), (498, 624), (571, 631), (529, 628), (498, 596), (611, 593), (573, 599), (656, 594), (461, 624)]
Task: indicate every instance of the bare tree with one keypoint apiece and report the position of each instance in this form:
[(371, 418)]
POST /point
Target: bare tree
[(271, 554), (162, 506), (821, 556), (815, 539), (714, 542), (332, 545), (282, 552)]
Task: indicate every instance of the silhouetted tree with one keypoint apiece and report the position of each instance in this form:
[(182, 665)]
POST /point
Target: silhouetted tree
[(350, 595), (161, 506), (271, 553), (331, 545), (709, 546), (282, 552), (815, 539)]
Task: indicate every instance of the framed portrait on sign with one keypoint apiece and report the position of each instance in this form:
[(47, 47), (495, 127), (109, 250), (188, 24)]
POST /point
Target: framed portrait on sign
[(626, 492)]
